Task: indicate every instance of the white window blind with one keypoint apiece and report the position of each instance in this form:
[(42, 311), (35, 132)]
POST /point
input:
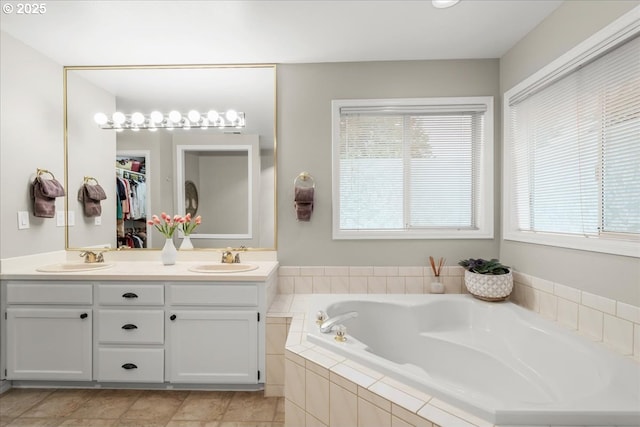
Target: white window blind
[(574, 146), (409, 170)]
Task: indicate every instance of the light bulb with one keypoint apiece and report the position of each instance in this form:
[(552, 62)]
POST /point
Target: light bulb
[(118, 118), (442, 4), (231, 115), (156, 117), (137, 118), (212, 115), (194, 116), (101, 118), (175, 116)]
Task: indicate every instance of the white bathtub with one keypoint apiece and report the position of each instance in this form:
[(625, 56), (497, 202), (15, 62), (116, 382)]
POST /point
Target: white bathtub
[(497, 361)]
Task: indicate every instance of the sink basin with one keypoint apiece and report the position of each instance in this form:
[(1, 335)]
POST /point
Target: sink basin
[(222, 268), (70, 267)]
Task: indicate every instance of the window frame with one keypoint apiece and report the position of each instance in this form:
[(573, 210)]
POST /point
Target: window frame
[(624, 28), (485, 213)]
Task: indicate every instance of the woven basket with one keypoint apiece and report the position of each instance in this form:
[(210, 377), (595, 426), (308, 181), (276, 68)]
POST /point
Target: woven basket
[(489, 287)]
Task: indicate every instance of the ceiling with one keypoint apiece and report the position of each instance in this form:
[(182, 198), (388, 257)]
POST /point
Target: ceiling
[(87, 32)]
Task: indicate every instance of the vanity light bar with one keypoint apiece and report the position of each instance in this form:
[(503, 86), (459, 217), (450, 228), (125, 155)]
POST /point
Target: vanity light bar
[(174, 120)]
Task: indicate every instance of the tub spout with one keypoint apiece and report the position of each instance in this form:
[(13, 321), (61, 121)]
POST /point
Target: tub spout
[(328, 325)]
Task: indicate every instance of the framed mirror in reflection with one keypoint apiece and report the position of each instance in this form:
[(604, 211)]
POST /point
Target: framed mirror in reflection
[(195, 164)]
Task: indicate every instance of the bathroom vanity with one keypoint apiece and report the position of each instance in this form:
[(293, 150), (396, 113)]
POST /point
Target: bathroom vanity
[(137, 323)]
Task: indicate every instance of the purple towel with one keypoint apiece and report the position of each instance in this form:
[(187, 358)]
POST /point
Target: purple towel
[(304, 194), (90, 197), (43, 194)]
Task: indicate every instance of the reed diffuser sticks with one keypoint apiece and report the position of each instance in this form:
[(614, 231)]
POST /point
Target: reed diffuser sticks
[(436, 269)]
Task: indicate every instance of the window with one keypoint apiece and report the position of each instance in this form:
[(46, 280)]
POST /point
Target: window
[(572, 150), (413, 168)]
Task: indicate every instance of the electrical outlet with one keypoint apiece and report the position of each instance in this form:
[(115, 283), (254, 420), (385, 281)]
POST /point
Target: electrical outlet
[(23, 220), (97, 220)]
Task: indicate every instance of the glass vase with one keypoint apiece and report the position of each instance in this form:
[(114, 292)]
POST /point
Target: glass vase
[(186, 243), (169, 252)]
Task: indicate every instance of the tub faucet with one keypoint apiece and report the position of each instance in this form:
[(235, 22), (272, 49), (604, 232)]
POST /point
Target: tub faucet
[(328, 325), (91, 257)]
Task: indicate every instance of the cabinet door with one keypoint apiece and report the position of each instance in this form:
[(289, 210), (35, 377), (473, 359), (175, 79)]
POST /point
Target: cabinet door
[(49, 344), (213, 347)]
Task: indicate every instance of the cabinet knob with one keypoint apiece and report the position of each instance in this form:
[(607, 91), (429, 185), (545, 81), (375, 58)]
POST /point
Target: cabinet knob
[(129, 326), (84, 315), (129, 366), (129, 295), (173, 317)]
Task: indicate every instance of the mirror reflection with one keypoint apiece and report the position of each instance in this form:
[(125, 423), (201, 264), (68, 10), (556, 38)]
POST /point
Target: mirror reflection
[(188, 165)]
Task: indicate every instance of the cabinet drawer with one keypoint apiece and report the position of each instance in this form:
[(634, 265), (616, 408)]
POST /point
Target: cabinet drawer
[(49, 293), (131, 364), (130, 294), (214, 295), (131, 326)]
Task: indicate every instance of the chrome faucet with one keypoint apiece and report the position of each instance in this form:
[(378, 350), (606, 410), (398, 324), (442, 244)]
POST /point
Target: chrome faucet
[(92, 257), (327, 325)]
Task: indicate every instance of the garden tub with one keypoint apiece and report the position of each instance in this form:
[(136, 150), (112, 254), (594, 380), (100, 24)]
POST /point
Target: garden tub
[(497, 361)]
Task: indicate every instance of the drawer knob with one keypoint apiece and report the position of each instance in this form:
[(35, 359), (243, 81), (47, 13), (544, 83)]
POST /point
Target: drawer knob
[(84, 315), (129, 326), (129, 366), (173, 317), (129, 295)]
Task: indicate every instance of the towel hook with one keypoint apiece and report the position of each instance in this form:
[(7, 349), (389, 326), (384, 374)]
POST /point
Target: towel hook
[(304, 180), (90, 178), (40, 171)]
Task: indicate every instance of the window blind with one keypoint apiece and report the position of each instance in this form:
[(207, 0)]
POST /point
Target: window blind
[(410, 168), (576, 150)]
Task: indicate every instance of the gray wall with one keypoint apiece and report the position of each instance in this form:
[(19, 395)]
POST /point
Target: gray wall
[(31, 135), (305, 92), (611, 276)]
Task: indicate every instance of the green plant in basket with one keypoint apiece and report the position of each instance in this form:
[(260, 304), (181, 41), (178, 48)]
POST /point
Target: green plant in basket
[(481, 266)]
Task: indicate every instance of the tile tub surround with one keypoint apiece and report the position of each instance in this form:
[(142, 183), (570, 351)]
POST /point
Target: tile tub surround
[(615, 324), (325, 389)]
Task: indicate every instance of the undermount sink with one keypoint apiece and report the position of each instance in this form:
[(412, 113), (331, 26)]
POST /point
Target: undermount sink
[(222, 268), (69, 267)]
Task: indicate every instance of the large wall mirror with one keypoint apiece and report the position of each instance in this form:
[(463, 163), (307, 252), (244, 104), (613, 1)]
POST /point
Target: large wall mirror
[(206, 162)]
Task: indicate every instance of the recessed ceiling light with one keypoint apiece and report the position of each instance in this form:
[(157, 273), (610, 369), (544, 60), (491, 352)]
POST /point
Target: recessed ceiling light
[(442, 4)]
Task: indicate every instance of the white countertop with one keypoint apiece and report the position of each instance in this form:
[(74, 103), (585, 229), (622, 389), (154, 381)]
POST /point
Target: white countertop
[(142, 270)]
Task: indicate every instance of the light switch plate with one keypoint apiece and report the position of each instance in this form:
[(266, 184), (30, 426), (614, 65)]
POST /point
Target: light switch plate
[(23, 220), (97, 220), (71, 218), (60, 218)]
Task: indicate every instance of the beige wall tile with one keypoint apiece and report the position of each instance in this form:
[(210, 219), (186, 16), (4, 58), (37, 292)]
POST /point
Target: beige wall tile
[(442, 418), (343, 382), (321, 285), (603, 304), (618, 334), (628, 312), (303, 285), (374, 398), (395, 285), (336, 271), (370, 415), (288, 271), (317, 396), (314, 422), (572, 294), (344, 407), (273, 390), (286, 284), (340, 285), (396, 396), (385, 271), (295, 383), (275, 369), (411, 271), (568, 313), (548, 305), (312, 271), (276, 338), (407, 417), (360, 271), (357, 285), (294, 416), (414, 285), (590, 322), (377, 285)]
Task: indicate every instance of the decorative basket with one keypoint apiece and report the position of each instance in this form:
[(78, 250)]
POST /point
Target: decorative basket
[(489, 287)]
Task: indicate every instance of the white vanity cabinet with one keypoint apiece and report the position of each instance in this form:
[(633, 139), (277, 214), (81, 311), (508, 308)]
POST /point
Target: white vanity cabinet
[(49, 331), (130, 332), (215, 333)]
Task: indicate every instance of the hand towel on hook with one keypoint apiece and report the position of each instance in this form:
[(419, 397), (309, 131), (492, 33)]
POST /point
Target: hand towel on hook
[(43, 195), (303, 196)]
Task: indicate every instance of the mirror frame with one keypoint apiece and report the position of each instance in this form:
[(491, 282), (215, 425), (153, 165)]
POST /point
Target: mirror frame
[(70, 68)]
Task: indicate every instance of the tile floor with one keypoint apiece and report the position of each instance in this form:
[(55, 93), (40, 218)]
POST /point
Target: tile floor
[(139, 408)]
